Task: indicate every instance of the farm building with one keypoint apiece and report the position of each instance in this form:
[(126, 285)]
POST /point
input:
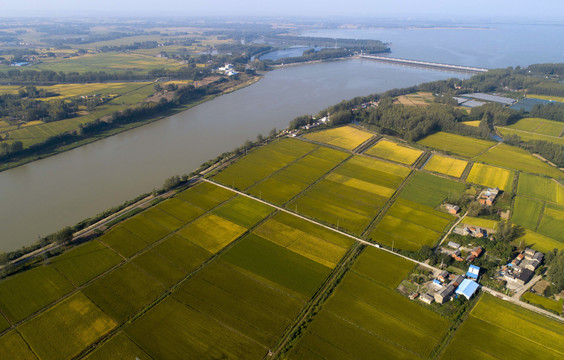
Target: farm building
[(493, 98), (473, 272), (426, 298), (442, 296), (487, 197), (457, 280), (443, 276), (467, 288), (453, 245), (452, 209)]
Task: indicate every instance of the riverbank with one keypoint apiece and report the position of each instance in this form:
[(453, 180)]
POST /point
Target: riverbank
[(125, 127)]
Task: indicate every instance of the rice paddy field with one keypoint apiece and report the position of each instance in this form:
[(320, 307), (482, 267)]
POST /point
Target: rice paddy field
[(491, 176), (461, 145), (552, 222), (446, 165), (262, 162), (518, 159), (538, 242), (539, 126), (480, 222), (541, 188), (546, 303), (526, 212), (409, 225), (431, 190), (352, 194), (529, 136), (390, 150), (346, 137), (497, 326)]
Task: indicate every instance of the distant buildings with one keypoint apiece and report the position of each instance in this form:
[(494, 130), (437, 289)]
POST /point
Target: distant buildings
[(228, 70)]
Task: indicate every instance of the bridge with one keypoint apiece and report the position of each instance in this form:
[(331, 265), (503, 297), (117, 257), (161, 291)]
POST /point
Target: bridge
[(434, 65)]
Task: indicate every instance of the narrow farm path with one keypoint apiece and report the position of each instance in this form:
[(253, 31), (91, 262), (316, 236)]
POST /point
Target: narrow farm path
[(452, 227), (368, 243)]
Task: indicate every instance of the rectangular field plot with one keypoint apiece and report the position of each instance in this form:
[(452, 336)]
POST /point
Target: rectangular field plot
[(23, 294), (240, 302), (172, 330), (346, 137), (480, 222), (496, 324), (431, 190), (162, 218), (118, 347), (66, 329), (145, 228), (461, 145), (381, 266), (13, 347), (529, 136), (446, 165), (205, 195), (541, 188), (262, 162), (85, 262), (518, 159), (211, 232), (123, 292), (296, 177), (182, 253), (180, 209), (123, 241), (539, 242), (313, 247), (539, 126), (243, 211), (390, 150), (552, 222), (159, 268), (491, 176), (351, 195), (549, 304), (526, 212), (295, 273), (363, 312)]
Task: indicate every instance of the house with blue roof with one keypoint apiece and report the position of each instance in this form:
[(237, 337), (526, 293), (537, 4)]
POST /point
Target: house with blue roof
[(473, 272), (467, 289)]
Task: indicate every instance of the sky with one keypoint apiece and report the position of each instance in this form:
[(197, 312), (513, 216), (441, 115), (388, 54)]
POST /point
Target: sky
[(539, 9)]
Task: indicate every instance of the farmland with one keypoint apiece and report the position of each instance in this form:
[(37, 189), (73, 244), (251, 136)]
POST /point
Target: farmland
[(431, 190), (390, 150), (446, 165), (461, 145), (517, 159), (495, 324), (539, 242), (539, 126), (544, 302), (552, 222), (409, 225), (352, 194), (541, 188), (526, 212), (480, 222), (346, 137), (262, 162), (528, 136), (382, 267), (491, 176)]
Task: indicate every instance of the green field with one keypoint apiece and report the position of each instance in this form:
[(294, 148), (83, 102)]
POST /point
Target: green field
[(382, 267), (12, 346), (182, 253), (546, 303), (180, 209), (243, 211), (362, 319), (495, 325), (163, 219), (517, 159), (296, 177), (461, 145), (205, 195), (446, 165), (390, 150), (539, 242), (118, 347), (211, 232), (541, 188), (159, 268), (526, 212), (351, 195), (431, 190), (23, 294), (146, 229), (552, 222), (539, 126), (123, 292), (262, 162), (480, 222), (85, 262), (346, 137), (528, 136), (123, 241), (76, 322), (491, 176), (172, 330)]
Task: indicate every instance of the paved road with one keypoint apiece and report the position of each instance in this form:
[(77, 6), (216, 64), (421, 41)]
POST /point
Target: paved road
[(526, 287), (436, 270)]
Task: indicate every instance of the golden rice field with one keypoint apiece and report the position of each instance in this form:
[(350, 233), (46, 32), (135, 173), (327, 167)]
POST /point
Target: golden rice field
[(346, 137), (484, 223), (491, 176), (474, 123), (538, 242), (390, 150), (446, 165), (462, 145)]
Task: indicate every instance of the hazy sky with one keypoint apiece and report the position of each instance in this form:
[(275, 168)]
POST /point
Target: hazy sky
[(539, 9)]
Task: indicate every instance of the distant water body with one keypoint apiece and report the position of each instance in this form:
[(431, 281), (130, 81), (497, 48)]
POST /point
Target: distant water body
[(484, 45)]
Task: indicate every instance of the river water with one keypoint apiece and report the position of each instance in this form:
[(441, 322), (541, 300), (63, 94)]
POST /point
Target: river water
[(42, 197)]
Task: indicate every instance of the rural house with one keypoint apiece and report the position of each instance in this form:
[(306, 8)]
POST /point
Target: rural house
[(488, 196), (442, 296)]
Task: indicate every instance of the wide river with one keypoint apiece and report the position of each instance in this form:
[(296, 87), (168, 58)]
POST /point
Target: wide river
[(42, 197)]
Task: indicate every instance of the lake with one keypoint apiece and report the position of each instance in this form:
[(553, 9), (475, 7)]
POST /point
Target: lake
[(42, 197)]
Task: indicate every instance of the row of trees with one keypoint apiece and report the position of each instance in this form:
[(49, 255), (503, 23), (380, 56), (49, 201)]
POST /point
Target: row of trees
[(25, 109)]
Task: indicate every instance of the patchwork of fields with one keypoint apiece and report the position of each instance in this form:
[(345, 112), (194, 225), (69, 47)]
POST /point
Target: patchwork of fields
[(528, 136), (539, 126)]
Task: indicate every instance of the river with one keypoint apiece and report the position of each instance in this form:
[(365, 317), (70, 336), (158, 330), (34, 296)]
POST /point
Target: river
[(43, 196)]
